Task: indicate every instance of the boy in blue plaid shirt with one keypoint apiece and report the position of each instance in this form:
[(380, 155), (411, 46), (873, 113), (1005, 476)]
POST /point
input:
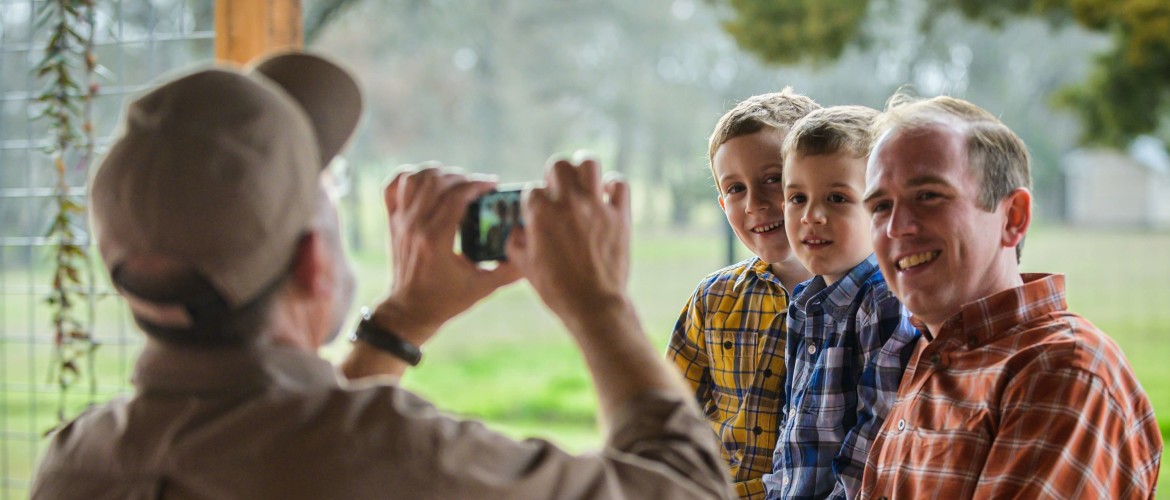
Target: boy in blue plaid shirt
[(848, 337)]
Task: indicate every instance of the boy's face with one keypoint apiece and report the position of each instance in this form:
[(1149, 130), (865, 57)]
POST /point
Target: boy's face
[(828, 227), (747, 172)]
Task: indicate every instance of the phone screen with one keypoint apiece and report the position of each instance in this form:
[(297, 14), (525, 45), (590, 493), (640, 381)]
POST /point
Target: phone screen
[(489, 220)]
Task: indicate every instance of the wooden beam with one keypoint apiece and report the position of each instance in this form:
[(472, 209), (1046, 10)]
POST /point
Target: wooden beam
[(245, 29)]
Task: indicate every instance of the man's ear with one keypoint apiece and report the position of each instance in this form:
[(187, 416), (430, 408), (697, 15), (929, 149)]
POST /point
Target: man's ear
[(311, 268), (1018, 208)]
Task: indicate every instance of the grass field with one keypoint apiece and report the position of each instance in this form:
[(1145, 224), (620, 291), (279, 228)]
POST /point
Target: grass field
[(509, 362)]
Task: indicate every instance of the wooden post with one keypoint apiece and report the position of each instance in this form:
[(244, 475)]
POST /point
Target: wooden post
[(245, 29)]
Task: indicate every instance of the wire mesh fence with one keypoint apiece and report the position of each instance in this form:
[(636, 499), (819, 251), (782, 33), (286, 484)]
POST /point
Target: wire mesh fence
[(135, 42)]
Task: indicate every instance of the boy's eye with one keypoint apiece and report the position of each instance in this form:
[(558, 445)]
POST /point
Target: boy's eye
[(734, 188), (837, 198), (796, 198)]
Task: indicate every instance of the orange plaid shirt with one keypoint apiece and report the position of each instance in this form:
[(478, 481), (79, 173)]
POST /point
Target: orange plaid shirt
[(1017, 397)]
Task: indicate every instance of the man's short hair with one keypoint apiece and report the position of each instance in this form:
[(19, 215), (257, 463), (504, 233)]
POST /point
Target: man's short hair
[(776, 110), (214, 324), (832, 130), (996, 155)]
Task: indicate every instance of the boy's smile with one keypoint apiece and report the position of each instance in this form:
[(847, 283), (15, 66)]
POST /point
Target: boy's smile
[(827, 225), (747, 173)]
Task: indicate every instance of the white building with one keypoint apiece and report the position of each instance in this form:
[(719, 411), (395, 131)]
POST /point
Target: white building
[(1107, 187)]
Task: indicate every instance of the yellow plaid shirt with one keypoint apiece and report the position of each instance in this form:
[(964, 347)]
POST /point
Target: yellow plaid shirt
[(729, 343)]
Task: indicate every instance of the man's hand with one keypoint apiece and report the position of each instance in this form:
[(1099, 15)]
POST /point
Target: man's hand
[(575, 250), (431, 283), (574, 246)]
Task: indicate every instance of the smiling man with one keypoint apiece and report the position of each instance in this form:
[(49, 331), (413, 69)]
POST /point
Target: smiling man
[(1008, 394)]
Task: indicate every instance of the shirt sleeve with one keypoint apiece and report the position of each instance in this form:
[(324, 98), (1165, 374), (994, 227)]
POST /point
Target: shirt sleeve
[(687, 350), (1064, 434), (658, 446), (885, 342)]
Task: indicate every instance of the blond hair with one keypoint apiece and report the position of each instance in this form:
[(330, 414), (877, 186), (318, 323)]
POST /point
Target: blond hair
[(827, 131), (775, 110)]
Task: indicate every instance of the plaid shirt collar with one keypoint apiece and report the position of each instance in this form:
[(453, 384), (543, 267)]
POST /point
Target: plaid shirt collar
[(999, 315), (836, 299), (760, 269)]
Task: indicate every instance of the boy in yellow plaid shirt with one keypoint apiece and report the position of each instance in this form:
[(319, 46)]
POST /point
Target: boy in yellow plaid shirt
[(729, 339)]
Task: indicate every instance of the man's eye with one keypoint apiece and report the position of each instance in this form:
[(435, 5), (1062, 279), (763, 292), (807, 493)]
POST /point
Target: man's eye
[(880, 207), (928, 195), (771, 179)]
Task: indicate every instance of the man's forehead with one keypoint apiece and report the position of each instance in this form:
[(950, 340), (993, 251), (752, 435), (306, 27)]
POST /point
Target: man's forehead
[(914, 156)]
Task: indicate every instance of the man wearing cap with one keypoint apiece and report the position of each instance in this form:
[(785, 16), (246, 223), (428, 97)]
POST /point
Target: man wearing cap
[(213, 218), (1008, 393)]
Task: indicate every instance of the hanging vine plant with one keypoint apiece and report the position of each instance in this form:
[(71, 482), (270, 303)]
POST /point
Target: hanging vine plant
[(68, 69)]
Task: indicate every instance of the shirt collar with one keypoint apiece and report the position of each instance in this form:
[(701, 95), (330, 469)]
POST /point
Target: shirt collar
[(170, 369), (837, 298), (997, 316), (761, 270)]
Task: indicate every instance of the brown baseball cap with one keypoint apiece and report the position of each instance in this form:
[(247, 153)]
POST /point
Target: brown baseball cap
[(220, 170)]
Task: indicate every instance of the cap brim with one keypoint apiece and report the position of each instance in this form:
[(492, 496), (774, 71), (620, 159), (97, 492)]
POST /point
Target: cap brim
[(327, 93)]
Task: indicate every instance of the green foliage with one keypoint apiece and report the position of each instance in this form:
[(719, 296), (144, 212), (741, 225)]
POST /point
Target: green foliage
[(1128, 93), (66, 100), (792, 31)]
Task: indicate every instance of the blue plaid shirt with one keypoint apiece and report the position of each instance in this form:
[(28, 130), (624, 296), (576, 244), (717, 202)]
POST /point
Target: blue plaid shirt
[(848, 344)]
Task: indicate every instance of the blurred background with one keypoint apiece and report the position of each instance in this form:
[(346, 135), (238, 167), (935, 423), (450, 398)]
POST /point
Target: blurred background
[(499, 85)]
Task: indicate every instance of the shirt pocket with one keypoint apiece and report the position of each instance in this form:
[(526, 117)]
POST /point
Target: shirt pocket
[(829, 398), (733, 359), (939, 463)]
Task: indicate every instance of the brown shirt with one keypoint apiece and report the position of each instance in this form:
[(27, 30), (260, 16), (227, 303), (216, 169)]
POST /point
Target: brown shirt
[(275, 422), (1017, 398)]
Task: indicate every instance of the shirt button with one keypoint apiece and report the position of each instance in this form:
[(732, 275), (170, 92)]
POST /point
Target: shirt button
[(935, 358), (812, 349), (758, 430), (902, 424), (785, 478), (767, 372), (972, 341), (728, 345)]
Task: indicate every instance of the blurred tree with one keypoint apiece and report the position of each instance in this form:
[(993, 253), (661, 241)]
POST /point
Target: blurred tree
[(1127, 94), (497, 85)]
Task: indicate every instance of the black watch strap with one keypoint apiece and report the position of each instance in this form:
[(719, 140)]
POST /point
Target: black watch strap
[(385, 340)]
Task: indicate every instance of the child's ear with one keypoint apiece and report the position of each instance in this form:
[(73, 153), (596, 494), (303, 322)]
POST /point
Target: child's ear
[(1019, 216), (720, 198)]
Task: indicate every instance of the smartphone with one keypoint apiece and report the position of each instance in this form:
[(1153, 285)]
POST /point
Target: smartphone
[(489, 220)]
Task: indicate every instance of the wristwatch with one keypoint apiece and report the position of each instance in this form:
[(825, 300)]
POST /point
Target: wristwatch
[(384, 340)]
